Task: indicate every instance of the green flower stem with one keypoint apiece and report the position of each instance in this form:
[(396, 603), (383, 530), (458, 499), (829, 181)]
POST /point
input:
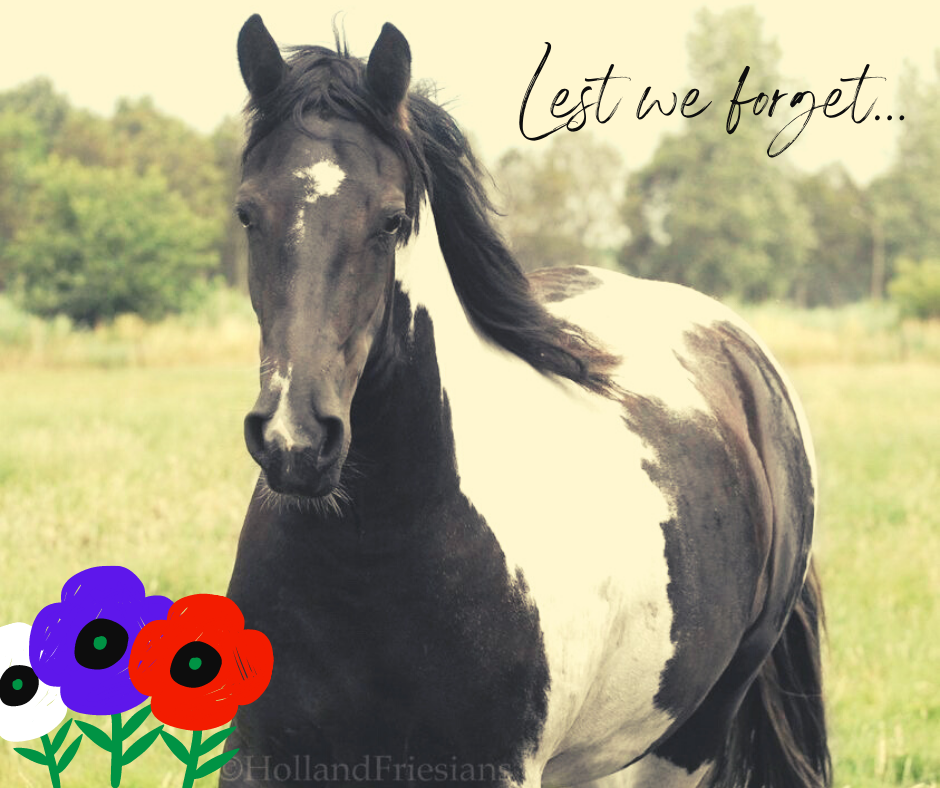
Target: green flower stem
[(50, 761), (190, 757), (121, 731), (193, 763), (117, 751)]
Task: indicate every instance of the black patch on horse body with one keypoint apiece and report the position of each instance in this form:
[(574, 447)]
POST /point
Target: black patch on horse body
[(560, 284), (398, 629), (737, 546)]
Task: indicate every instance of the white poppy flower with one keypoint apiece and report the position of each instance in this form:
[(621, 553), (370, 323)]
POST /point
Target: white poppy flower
[(28, 708)]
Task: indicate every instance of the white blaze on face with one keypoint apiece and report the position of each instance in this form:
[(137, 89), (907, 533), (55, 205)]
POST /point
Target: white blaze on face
[(321, 179), (281, 422)]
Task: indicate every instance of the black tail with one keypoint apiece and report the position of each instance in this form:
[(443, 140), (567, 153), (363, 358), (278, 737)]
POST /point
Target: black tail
[(778, 739)]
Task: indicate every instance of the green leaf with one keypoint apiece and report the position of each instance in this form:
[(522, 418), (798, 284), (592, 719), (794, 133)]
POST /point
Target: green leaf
[(214, 764), (32, 755), (69, 754), (135, 722), (97, 736), (140, 746), (176, 746), (214, 740), (60, 736)]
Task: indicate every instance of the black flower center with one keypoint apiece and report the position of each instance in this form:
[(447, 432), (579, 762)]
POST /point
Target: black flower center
[(18, 685), (100, 644), (195, 664)]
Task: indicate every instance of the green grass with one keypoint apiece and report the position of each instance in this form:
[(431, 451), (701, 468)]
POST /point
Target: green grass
[(877, 433), (140, 467), (124, 446)]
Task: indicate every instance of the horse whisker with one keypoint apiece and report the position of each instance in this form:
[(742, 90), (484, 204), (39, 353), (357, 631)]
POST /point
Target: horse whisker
[(331, 504)]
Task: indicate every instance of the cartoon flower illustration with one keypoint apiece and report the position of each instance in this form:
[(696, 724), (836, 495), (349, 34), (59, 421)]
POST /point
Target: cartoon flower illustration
[(30, 709), (199, 666), (82, 645)]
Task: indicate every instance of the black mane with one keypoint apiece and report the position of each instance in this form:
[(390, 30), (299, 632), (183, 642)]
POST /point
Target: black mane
[(488, 280)]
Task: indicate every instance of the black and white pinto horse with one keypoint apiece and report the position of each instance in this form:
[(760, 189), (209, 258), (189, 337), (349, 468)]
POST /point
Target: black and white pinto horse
[(510, 531)]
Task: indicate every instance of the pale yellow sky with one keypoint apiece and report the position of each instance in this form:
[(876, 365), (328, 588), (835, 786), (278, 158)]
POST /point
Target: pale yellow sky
[(482, 55)]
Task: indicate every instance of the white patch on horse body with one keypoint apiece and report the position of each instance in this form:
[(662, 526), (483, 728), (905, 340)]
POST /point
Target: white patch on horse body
[(560, 482), (321, 179), (281, 422), (641, 315), (652, 772)]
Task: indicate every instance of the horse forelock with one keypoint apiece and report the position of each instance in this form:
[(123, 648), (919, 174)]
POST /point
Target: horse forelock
[(332, 84)]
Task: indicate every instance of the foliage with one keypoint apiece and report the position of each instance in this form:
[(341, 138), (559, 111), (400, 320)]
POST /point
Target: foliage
[(561, 201), (839, 269), (38, 101), (21, 147), (711, 210), (141, 138), (227, 143), (138, 142), (916, 288), (101, 241), (907, 197)]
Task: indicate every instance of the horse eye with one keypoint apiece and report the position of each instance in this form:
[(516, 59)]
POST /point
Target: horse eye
[(393, 224), (243, 217)]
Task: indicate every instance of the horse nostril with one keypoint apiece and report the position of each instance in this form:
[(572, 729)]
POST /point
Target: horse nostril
[(254, 435), (332, 447)]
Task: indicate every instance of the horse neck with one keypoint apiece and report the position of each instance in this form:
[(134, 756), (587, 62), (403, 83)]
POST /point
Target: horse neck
[(401, 417), (423, 276)]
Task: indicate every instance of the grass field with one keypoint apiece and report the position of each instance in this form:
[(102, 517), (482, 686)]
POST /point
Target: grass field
[(124, 446)]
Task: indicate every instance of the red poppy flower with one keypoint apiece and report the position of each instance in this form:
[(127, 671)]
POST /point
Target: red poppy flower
[(200, 664)]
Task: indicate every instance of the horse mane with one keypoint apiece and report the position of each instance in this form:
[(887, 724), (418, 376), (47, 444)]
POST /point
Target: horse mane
[(487, 278)]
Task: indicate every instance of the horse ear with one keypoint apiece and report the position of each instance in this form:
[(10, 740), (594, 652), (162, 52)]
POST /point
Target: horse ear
[(388, 72), (260, 60)]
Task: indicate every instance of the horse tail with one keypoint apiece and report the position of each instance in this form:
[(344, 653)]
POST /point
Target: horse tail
[(778, 738)]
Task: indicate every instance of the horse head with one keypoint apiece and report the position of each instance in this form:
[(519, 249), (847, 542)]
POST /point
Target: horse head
[(325, 198)]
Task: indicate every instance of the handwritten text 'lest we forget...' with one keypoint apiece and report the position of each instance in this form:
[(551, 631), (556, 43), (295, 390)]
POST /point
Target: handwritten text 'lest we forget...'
[(575, 116)]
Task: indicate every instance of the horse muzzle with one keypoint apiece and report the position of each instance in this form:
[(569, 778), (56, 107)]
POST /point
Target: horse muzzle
[(297, 459)]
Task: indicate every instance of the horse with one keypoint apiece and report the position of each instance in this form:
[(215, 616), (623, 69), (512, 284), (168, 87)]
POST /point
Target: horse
[(509, 530)]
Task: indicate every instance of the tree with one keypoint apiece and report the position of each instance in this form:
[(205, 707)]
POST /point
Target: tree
[(562, 201), (227, 142), (101, 241), (22, 146), (916, 288), (712, 210), (31, 116), (38, 100), (907, 198), (839, 271)]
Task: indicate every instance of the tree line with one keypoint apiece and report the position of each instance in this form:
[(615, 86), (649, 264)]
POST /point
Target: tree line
[(713, 211), (100, 216), (131, 213)]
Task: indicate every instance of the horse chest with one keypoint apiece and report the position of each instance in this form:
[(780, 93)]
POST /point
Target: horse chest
[(411, 652)]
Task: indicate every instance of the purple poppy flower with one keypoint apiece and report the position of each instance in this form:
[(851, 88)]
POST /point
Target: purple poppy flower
[(83, 643)]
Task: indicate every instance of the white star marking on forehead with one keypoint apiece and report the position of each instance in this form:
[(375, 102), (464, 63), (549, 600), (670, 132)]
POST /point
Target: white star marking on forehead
[(322, 179)]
